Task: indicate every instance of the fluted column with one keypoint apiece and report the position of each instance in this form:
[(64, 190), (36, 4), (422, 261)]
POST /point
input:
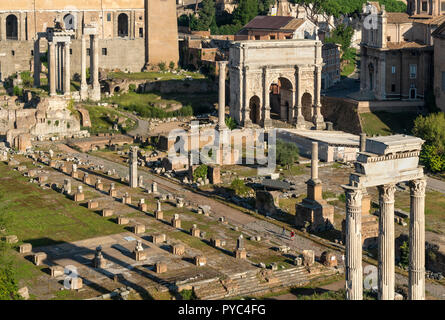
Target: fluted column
[(222, 95), (67, 69), (133, 167), (52, 68), (416, 287), (83, 70), (386, 242), (314, 161), (354, 272)]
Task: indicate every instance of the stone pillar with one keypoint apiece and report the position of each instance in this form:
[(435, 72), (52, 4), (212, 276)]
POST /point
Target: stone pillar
[(317, 118), (246, 110), (314, 161), (133, 167), (52, 68), (2, 27), (416, 287), (362, 142), (37, 63), (222, 95), (83, 70), (386, 271), (354, 273), (67, 69), (95, 68), (266, 122), (299, 119)]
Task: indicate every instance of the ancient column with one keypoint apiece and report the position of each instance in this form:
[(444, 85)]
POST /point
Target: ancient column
[(52, 68), (83, 70), (386, 272), (95, 69), (37, 63), (314, 161), (222, 95), (354, 273), (362, 142), (134, 167), (318, 119), (67, 70), (299, 118), (266, 122), (416, 287)]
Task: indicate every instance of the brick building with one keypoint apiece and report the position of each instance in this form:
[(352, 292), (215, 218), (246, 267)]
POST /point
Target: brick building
[(132, 33), (439, 66), (397, 53)]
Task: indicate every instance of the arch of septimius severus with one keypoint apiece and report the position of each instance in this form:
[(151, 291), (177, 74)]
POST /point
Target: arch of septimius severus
[(131, 33), (283, 77), (383, 162)]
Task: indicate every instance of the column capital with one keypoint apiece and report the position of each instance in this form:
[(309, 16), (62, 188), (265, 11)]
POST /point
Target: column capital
[(386, 192), (353, 196), (417, 187)]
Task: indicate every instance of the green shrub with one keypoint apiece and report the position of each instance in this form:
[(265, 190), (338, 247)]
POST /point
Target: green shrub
[(162, 66), (230, 123), (17, 91), (287, 153), (188, 295), (132, 87), (27, 79), (172, 65), (239, 187), (200, 172), (404, 254)]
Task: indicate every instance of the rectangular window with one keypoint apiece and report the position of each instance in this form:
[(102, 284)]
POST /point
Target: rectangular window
[(272, 37), (141, 32), (88, 51), (393, 88), (443, 81), (32, 53), (393, 69), (13, 53), (71, 51), (108, 16), (104, 51), (413, 71), (424, 6)]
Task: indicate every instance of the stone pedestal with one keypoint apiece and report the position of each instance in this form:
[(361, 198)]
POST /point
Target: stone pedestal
[(123, 220), (176, 223), (107, 212), (39, 258), (161, 267), (25, 248), (159, 238), (178, 249), (79, 197), (57, 271), (241, 253), (308, 257), (93, 204), (200, 261), (159, 215), (112, 193), (139, 228), (195, 232)]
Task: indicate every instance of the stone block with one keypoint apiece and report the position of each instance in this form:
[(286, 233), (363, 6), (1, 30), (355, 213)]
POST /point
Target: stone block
[(159, 215), (139, 228), (195, 232), (142, 207), (76, 283), (123, 220), (159, 238), (176, 223), (79, 197), (107, 212), (240, 254), (42, 179), (25, 248), (328, 259), (200, 261), (93, 204), (140, 255), (24, 293), (308, 257), (113, 193), (178, 249), (11, 239), (217, 243), (161, 267), (39, 257), (57, 271)]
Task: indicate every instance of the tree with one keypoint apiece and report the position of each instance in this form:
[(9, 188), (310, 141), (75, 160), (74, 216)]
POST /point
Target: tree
[(200, 172), (206, 15), (287, 153), (246, 11), (432, 129), (8, 284)]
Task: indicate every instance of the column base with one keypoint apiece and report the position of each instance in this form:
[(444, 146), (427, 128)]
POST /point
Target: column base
[(300, 122), (247, 123), (95, 94), (266, 123), (83, 92)]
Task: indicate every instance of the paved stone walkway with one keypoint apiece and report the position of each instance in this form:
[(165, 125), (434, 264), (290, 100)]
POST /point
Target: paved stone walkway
[(435, 184)]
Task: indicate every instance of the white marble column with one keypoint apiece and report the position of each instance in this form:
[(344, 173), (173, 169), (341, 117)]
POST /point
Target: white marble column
[(133, 167), (354, 272), (83, 70), (52, 68), (67, 69), (317, 118), (416, 287), (265, 110), (222, 95), (314, 161), (386, 272), (95, 69)]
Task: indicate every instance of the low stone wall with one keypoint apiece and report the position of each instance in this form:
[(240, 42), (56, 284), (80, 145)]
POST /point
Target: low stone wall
[(389, 106)]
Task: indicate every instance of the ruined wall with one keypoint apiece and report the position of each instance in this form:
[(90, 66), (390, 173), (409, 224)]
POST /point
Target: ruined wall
[(342, 113)]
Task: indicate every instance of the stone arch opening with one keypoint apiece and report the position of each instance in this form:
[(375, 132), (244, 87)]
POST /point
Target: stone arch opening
[(255, 109), (12, 27), (69, 22), (306, 106), (280, 98), (122, 25)]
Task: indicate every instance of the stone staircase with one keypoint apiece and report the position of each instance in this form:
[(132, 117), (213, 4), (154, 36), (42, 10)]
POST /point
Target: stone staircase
[(258, 282)]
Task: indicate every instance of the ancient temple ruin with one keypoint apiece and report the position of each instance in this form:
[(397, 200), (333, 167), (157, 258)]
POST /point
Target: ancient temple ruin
[(384, 162)]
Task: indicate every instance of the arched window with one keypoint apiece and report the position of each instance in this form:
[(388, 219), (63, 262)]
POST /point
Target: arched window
[(12, 27), (122, 25), (70, 22)]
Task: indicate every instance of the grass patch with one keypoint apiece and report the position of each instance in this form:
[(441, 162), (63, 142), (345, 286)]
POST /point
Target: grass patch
[(44, 217), (155, 75), (386, 123), (102, 119)]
